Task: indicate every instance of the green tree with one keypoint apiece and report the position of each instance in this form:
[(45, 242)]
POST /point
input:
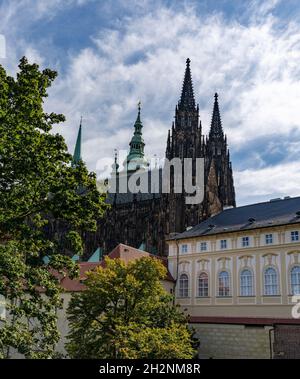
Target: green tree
[(39, 187), (125, 313)]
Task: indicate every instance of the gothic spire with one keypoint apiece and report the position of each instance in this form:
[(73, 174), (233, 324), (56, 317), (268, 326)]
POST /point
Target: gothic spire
[(77, 150), (216, 130), (137, 142), (115, 165), (187, 100), (136, 159)]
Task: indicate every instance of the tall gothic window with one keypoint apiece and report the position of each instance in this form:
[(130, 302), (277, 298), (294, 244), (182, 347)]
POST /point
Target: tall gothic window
[(183, 285), (224, 284), (246, 281), (271, 281), (295, 280), (203, 285)]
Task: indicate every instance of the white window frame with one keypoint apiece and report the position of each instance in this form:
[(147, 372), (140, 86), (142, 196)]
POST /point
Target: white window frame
[(294, 235), (224, 288), (184, 248), (246, 283), (295, 280), (203, 285), (223, 242), (203, 244), (183, 287), (271, 282), (269, 239), (244, 243)]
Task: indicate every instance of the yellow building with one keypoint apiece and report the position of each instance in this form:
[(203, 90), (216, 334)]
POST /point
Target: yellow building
[(238, 276)]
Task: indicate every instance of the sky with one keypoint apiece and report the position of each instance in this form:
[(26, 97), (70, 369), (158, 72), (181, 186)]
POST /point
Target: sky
[(110, 54)]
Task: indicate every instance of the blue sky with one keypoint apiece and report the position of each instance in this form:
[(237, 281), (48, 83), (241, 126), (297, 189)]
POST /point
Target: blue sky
[(112, 53)]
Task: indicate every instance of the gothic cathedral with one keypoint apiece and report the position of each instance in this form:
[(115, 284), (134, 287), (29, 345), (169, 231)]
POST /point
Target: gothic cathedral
[(145, 220)]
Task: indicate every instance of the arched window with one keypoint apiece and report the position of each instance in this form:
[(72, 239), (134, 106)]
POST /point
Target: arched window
[(246, 281), (295, 280), (203, 285), (183, 285), (271, 281), (224, 284)]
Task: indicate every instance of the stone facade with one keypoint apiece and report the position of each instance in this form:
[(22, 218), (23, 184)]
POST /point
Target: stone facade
[(223, 341), (238, 277)]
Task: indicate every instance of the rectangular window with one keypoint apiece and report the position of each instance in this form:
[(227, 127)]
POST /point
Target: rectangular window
[(223, 244), (294, 236), (184, 249), (245, 241), (269, 239), (203, 246)]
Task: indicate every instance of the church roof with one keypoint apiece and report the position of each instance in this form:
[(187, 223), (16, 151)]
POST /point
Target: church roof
[(260, 215)]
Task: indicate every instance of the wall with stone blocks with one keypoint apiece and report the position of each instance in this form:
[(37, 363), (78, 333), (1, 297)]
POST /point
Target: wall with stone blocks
[(233, 341)]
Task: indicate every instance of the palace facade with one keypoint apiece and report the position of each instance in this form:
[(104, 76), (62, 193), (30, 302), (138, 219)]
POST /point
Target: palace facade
[(238, 276)]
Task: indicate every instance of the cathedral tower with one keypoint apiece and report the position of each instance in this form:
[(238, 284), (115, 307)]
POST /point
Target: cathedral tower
[(184, 140), (218, 158)]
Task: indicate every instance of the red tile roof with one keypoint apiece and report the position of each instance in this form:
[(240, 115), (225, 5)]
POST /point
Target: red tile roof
[(124, 252)]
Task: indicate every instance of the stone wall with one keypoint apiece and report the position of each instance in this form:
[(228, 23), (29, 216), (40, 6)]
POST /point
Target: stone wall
[(233, 341)]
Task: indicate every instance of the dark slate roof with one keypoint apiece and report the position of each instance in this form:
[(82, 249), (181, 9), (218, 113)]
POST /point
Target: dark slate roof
[(260, 215)]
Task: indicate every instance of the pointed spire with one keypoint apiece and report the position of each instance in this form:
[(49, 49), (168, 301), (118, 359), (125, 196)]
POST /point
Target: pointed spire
[(77, 150), (168, 144), (187, 101), (216, 130), (169, 138), (138, 127), (136, 153), (115, 165)]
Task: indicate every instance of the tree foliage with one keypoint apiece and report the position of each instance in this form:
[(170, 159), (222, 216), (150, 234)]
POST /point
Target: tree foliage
[(38, 189), (126, 313)]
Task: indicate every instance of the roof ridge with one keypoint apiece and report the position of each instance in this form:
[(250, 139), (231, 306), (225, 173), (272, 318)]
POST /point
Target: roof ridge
[(262, 202)]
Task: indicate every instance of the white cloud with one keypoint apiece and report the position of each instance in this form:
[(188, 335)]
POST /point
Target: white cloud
[(270, 182)]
